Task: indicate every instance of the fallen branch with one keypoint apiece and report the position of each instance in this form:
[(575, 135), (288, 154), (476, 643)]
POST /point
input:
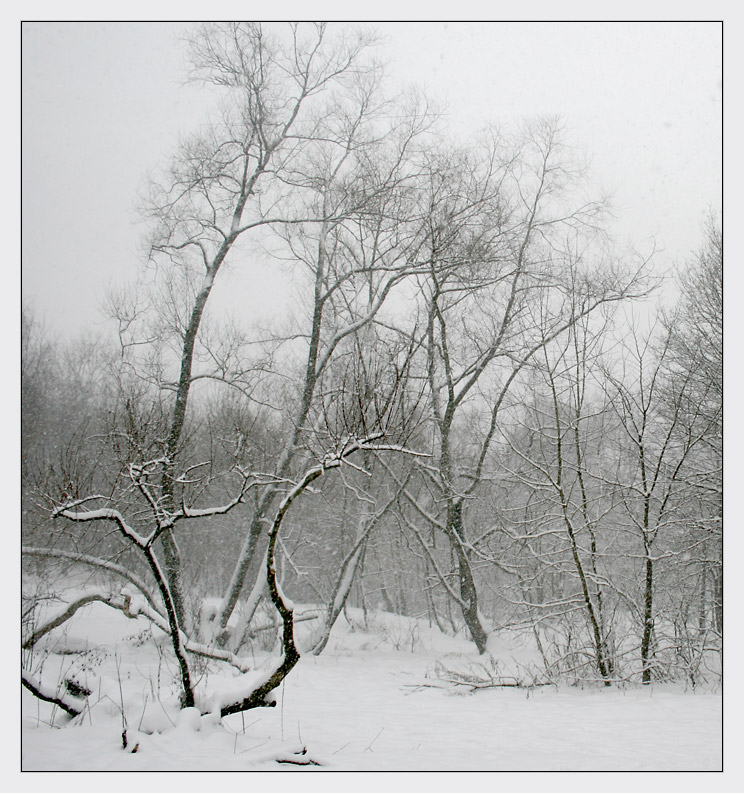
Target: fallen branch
[(477, 676), (93, 561), (91, 597), (68, 703), (131, 608), (298, 758), (251, 632)]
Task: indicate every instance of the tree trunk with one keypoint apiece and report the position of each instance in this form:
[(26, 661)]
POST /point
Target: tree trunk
[(468, 592), (172, 569), (340, 594), (171, 553), (248, 557), (648, 621), (703, 603), (718, 600)]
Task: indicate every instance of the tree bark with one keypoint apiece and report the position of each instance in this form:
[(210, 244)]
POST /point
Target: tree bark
[(648, 621), (66, 702), (468, 591)]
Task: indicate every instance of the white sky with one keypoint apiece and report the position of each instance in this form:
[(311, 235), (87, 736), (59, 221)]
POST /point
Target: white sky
[(103, 103)]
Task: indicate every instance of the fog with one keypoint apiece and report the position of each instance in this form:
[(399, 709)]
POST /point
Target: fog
[(103, 104)]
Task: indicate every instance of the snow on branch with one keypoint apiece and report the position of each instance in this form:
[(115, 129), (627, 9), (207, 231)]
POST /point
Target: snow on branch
[(138, 606), (93, 561), (164, 518), (392, 447), (132, 606), (90, 596), (71, 705), (206, 512), (71, 512)]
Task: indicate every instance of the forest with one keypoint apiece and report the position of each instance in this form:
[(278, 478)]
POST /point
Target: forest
[(479, 410)]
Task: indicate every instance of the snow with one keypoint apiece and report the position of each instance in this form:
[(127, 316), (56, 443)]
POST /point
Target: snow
[(236, 690), (371, 701)]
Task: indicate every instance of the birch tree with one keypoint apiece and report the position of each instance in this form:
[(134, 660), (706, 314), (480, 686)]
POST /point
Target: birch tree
[(509, 274)]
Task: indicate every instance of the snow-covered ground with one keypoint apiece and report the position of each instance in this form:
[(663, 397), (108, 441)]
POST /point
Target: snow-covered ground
[(371, 701)]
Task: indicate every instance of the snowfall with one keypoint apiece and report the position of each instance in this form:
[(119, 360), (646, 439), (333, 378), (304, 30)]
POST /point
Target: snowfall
[(376, 699)]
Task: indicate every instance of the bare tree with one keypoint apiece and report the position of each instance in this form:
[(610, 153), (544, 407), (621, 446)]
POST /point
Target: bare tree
[(353, 264), (224, 182), (163, 517), (305, 143), (696, 355), (661, 440), (500, 288), (285, 607), (564, 525), (433, 282)]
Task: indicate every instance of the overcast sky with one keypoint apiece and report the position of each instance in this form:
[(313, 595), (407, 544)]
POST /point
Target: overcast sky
[(103, 103)]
